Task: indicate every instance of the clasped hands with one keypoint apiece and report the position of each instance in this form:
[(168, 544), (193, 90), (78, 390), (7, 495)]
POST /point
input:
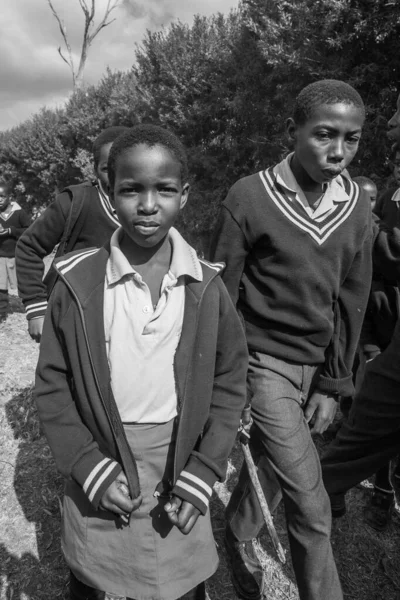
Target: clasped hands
[(116, 499)]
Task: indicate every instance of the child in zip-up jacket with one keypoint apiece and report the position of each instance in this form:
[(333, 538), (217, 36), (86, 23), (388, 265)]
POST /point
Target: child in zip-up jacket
[(95, 222), (140, 386)]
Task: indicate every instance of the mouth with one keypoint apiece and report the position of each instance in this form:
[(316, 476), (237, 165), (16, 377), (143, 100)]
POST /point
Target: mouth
[(146, 227), (332, 172)]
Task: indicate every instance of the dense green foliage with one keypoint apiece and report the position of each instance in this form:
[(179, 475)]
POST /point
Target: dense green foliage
[(226, 85)]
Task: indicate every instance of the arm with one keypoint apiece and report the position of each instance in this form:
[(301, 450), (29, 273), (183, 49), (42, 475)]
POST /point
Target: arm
[(386, 251), (35, 243), (349, 310), (229, 246), (76, 453), (24, 222), (208, 461)]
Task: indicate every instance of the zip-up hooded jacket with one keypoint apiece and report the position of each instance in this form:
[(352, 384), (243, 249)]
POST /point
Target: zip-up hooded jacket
[(76, 404)]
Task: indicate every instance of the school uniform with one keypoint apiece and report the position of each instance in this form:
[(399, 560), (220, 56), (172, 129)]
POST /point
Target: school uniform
[(369, 438), (96, 223), (14, 221), (158, 393), (300, 280)]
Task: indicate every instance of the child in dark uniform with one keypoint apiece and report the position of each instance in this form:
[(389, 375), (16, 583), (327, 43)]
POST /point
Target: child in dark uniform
[(140, 386)]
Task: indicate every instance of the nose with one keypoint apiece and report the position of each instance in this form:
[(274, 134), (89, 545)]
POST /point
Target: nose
[(148, 203), (337, 150)]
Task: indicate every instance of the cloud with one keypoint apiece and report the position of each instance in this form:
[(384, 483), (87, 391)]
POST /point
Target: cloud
[(31, 70)]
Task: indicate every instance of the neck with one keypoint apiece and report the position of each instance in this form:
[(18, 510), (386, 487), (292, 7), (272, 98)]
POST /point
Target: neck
[(302, 177), (138, 255)]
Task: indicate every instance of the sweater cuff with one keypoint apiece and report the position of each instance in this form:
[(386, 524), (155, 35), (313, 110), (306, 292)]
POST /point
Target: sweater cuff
[(35, 309), (95, 482), (194, 485), (342, 387)]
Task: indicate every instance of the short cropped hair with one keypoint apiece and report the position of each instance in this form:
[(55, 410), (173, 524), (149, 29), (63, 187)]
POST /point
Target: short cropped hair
[(150, 135), (326, 91), (107, 136), (362, 181)]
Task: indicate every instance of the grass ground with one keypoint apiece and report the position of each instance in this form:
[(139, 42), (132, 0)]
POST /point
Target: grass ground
[(31, 564)]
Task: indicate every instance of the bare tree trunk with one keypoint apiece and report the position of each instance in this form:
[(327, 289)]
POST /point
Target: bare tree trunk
[(89, 34)]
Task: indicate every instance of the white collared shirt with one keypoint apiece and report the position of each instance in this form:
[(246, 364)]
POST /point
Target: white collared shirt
[(141, 339), (396, 196), (334, 190)]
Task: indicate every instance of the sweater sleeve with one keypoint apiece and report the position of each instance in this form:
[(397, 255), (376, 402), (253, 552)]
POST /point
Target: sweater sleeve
[(38, 241), (349, 310), (76, 453), (386, 251), (208, 462), (24, 222), (229, 246)]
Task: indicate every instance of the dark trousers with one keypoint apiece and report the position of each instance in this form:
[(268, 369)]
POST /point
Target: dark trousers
[(371, 435), (81, 591), (3, 302), (288, 466)]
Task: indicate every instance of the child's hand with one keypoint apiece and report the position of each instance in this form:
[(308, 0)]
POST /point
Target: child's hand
[(35, 328), (322, 409), (116, 498), (182, 514)]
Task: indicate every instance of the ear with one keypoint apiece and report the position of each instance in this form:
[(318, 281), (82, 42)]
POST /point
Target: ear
[(185, 195), (291, 129)]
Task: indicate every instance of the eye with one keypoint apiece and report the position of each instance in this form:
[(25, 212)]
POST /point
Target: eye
[(167, 189), (322, 135), (353, 140)]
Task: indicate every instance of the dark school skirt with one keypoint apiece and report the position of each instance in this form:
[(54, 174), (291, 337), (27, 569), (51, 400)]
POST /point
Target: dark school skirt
[(150, 559)]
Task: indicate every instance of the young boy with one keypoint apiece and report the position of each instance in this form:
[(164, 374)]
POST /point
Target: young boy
[(13, 222), (94, 224), (140, 386), (369, 187), (296, 242)]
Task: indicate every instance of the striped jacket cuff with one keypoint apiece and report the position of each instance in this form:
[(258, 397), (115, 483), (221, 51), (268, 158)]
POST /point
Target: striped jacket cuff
[(194, 489), (100, 478), (36, 309)]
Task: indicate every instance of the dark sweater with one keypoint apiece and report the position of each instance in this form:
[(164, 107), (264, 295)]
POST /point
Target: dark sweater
[(301, 285), (95, 227), (76, 404), (14, 225)]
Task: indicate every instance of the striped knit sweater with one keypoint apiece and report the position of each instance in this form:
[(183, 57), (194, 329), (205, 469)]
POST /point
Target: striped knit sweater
[(94, 228), (300, 284)]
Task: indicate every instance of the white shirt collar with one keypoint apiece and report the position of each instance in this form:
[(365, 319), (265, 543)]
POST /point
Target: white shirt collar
[(334, 190), (184, 260)]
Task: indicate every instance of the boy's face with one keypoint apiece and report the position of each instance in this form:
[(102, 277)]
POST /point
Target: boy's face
[(372, 192), (327, 142), (394, 124), (396, 168), (101, 169), (4, 197), (148, 193)]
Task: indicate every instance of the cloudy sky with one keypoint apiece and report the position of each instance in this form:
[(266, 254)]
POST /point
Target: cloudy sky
[(31, 70)]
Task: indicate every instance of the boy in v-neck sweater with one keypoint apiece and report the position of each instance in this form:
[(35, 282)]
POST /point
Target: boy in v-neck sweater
[(13, 222), (296, 240)]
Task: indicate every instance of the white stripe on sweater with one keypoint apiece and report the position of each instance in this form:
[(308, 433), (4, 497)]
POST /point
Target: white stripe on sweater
[(192, 490), (101, 479), (66, 261), (197, 480), (94, 472), (77, 260)]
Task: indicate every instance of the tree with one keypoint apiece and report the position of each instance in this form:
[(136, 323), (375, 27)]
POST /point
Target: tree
[(89, 34)]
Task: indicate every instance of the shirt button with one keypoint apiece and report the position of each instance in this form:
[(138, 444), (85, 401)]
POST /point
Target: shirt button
[(146, 309)]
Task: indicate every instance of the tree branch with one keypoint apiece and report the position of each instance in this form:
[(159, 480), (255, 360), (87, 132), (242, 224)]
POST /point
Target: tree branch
[(63, 30)]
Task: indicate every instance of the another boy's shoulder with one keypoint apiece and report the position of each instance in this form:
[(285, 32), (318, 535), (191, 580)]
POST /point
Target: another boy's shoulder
[(243, 190)]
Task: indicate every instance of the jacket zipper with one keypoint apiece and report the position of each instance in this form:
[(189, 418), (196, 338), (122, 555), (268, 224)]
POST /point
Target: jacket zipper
[(99, 389)]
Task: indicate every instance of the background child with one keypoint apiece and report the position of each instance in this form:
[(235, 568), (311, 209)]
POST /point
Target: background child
[(296, 242), (369, 187), (94, 223), (13, 222), (140, 385)]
